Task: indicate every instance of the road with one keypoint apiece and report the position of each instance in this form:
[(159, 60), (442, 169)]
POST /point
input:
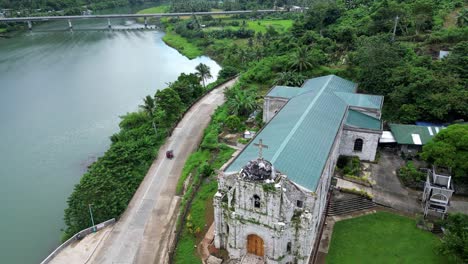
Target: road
[(142, 233)]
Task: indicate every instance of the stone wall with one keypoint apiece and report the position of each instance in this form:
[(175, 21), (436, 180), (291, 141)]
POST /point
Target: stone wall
[(271, 106), (278, 221), (369, 148)]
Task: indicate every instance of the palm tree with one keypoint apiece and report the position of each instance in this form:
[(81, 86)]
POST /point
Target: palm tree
[(241, 102), (289, 78), (301, 59), (462, 18), (149, 107), (203, 71)]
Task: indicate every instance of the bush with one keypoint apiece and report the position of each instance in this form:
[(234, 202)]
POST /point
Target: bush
[(233, 123), (206, 170), (350, 166), (455, 241), (227, 72), (409, 174)]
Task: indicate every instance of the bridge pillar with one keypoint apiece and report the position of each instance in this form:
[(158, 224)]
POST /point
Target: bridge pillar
[(109, 25), (70, 26), (146, 22), (29, 25)]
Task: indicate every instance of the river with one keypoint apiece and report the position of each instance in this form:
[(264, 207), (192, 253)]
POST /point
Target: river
[(61, 94)]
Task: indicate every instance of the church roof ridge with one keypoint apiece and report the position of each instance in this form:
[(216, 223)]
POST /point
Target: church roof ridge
[(301, 135)]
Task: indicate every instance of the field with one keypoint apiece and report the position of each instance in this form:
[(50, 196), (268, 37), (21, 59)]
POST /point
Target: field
[(382, 238), (181, 44), (155, 10), (260, 25)]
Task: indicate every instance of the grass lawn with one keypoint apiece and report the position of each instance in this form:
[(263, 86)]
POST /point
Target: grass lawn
[(2, 30), (181, 44), (155, 10), (382, 238)]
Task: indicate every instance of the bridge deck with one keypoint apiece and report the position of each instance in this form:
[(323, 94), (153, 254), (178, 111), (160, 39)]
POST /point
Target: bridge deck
[(46, 18)]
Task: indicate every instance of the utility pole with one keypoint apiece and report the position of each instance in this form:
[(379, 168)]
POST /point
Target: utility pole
[(394, 28), (92, 219)]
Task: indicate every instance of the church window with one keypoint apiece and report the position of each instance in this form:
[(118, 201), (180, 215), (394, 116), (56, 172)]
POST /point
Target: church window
[(288, 247), (256, 201), (358, 145), (299, 203)]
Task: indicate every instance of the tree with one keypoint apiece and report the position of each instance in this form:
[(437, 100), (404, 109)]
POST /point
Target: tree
[(449, 148), (187, 87), (375, 58), (241, 102), (227, 72), (321, 14), (149, 107), (422, 13), (203, 71), (289, 78), (302, 60), (169, 101), (462, 19), (455, 241)]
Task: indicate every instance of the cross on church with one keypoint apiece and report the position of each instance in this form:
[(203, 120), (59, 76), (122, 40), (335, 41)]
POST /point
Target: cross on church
[(260, 148)]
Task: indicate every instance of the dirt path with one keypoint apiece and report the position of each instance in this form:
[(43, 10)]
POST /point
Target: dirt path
[(142, 233)]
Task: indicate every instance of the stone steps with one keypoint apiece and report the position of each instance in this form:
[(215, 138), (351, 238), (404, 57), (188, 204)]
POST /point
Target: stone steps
[(436, 229), (357, 203)]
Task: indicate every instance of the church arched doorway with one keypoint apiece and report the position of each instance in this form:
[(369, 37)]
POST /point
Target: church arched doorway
[(255, 245)]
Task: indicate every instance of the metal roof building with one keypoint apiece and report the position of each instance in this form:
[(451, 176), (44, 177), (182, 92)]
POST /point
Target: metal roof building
[(413, 134), (301, 135)]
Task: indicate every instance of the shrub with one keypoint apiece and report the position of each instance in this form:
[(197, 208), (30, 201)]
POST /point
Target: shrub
[(227, 72), (409, 174), (206, 170), (233, 123)]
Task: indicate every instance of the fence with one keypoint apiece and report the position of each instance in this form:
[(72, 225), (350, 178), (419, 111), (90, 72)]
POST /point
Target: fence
[(77, 236)]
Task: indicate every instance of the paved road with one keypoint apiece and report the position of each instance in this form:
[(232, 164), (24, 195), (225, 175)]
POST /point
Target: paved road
[(141, 234)]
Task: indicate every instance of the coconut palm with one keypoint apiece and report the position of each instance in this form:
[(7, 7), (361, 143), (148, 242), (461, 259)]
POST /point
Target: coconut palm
[(289, 78), (149, 107), (203, 71), (301, 60), (241, 102)]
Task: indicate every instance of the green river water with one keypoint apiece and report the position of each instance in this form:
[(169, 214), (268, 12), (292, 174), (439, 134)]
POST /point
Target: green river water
[(61, 94)]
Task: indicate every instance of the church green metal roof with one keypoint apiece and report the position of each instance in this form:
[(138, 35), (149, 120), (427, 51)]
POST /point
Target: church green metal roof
[(284, 91), (360, 120), (361, 100), (413, 134), (301, 135)]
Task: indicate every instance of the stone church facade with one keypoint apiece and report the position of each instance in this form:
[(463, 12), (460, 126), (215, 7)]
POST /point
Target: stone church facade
[(271, 198)]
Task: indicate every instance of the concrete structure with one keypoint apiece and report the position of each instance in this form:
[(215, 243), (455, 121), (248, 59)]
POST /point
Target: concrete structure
[(437, 191), (272, 203)]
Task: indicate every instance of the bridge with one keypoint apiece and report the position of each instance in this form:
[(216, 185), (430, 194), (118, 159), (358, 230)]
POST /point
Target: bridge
[(29, 20)]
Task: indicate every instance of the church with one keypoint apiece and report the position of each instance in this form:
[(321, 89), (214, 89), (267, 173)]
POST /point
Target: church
[(271, 198)]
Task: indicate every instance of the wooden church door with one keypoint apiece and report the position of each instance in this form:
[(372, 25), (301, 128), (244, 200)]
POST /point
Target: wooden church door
[(255, 245)]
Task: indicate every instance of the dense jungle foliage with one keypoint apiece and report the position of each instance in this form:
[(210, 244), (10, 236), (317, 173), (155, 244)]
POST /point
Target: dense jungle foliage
[(352, 39)]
